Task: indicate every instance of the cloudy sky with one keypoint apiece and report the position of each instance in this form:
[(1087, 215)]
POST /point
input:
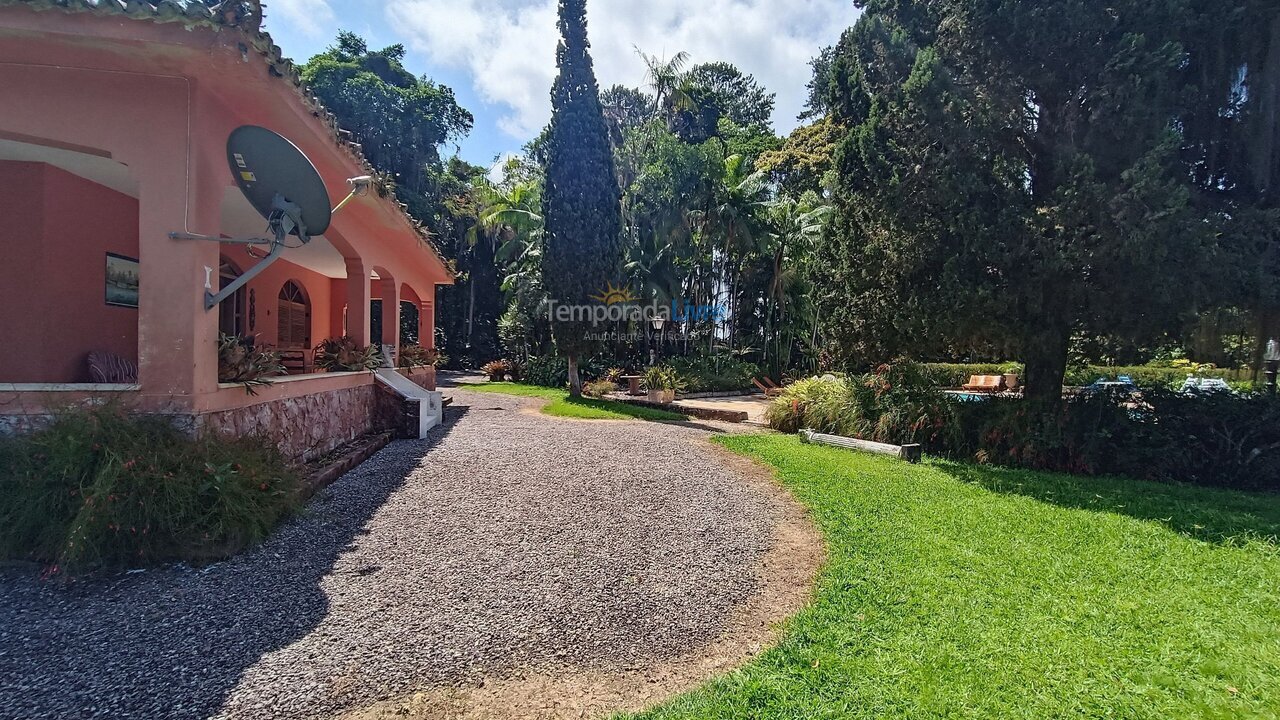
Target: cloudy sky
[(499, 55)]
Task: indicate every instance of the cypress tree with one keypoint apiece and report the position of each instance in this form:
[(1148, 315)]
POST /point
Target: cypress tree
[(581, 203)]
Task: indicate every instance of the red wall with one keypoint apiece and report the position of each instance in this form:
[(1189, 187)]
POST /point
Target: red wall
[(266, 288), (56, 230)]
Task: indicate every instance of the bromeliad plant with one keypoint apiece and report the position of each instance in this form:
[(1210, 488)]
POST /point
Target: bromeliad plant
[(496, 370), (239, 361), (412, 356), (344, 354)]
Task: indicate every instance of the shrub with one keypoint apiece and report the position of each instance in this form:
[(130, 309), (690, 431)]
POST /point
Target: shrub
[(515, 368), (1218, 438), (1084, 436), (896, 404), (100, 487), (1147, 376), (599, 388), (344, 354), (816, 403), (714, 373), (553, 371)]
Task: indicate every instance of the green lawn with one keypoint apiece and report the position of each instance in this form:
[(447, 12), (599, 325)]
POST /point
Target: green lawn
[(964, 591), (562, 405)]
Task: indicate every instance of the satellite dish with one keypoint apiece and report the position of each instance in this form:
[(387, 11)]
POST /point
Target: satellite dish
[(279, 182)]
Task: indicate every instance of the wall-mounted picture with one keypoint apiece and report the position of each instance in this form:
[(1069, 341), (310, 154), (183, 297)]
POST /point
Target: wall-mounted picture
[(122, 280)]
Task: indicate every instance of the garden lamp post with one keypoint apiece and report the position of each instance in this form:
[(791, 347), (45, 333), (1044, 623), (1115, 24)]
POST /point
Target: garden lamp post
[(658, 324), (1272, 357)]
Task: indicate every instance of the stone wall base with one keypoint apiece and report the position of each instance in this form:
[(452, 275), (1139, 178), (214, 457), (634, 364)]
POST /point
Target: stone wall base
[(309, 426)]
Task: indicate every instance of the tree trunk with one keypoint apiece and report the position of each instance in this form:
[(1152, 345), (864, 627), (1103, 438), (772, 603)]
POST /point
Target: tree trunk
[(1046, 365), (471, 306), (575, 382)]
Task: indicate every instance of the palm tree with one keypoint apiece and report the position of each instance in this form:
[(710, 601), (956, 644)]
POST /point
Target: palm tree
[(733, 221), (797, 226), (669, 83)]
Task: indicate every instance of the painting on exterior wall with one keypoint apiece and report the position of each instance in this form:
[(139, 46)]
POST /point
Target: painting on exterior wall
[(122, 280)]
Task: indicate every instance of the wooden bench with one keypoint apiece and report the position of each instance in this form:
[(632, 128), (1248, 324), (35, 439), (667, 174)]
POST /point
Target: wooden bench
[(297, 361), (768, 387), (984, 383)]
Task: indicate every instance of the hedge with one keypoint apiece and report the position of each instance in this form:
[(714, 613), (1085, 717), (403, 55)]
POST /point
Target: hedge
[(957, 374)]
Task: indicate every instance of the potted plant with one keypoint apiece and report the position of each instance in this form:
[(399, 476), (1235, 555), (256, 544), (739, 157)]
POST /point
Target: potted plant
[(663, 383), (344, 354), (1010, 372), (496, 370)]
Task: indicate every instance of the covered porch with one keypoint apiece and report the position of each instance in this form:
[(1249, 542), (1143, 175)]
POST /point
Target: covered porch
[(122, 143)]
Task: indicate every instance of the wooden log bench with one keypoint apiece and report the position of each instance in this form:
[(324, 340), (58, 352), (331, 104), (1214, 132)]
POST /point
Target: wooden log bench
[(911, 453)]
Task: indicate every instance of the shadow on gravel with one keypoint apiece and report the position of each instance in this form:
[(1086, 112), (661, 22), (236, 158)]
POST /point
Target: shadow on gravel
[(173, 642)]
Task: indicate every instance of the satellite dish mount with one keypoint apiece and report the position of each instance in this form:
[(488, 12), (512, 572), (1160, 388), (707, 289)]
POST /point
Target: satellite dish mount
[(285, 188)]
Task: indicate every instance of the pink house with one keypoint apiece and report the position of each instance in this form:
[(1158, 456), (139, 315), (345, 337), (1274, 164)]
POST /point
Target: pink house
[(114, 118)]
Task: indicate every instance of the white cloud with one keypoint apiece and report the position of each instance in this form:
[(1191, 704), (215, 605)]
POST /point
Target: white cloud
[(312, 18), (508, 46)]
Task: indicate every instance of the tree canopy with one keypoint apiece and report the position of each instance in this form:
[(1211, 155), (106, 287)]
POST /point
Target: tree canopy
[(399, 120), (1010, 178)]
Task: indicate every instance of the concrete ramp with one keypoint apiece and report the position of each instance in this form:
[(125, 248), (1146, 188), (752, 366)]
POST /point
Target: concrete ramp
[(430, 402)]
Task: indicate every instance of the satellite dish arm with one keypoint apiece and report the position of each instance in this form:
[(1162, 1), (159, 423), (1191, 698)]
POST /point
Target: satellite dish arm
[(211, 300)]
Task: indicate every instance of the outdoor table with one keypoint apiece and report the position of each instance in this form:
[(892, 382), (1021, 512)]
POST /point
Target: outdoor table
[(633, 384)]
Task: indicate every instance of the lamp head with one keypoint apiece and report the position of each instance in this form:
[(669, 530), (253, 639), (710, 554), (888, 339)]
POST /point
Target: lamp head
[(360, 185), (1273, 351)]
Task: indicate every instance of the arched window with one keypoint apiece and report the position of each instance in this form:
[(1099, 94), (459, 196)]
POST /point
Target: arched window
[(294, 318), (231, 311)]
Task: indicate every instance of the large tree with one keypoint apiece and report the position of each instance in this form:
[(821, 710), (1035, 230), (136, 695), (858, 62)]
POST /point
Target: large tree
[(733, 94), (581, 200), (1010, 177), (399, 120)]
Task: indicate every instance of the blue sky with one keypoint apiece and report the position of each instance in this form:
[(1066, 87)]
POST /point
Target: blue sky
[(499, 55)]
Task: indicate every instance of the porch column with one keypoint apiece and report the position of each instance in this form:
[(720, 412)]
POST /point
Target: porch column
[(426, 324), (390, 291), (177, 350), (357, 300)]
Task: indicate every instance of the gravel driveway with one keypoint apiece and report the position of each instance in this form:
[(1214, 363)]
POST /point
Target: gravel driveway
[(508, 541)]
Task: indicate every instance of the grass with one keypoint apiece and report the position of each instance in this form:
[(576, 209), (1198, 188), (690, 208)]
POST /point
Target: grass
[(563, 405), (964, 591)]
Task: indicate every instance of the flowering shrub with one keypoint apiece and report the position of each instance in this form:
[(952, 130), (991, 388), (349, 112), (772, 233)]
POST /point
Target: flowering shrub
[(100, 487)]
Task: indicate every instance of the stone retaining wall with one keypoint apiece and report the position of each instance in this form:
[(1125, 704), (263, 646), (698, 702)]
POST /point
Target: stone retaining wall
[(308, 426)]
